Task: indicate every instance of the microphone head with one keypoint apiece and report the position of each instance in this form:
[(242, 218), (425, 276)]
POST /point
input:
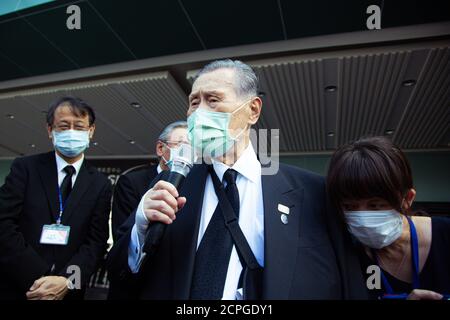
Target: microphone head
[(183, 158)]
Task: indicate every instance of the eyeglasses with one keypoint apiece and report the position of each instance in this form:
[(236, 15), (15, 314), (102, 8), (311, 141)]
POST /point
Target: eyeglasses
[(175, 144), (65, 127)]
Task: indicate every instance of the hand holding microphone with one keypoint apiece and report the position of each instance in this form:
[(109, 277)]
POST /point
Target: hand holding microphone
[(162, 202)]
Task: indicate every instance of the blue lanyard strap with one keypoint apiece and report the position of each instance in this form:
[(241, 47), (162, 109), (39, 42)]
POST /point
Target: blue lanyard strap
[(415, 260), (61, 206), (415, 253)]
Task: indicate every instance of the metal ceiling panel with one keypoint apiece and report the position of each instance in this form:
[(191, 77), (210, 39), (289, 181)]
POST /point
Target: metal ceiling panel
[(121, 129), (320, 103)]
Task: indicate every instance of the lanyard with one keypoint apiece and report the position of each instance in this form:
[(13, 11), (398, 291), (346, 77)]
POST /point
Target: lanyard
[(61, 206), (415, 260)]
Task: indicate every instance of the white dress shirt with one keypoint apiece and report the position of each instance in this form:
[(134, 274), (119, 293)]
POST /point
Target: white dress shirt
[(251, 218), (61, 164)]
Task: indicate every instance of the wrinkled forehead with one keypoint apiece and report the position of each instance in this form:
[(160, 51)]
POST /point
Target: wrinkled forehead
[(220, 80), (178, 134)]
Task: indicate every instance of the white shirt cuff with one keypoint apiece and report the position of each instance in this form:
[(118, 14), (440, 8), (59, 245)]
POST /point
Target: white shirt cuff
[(138, 233)]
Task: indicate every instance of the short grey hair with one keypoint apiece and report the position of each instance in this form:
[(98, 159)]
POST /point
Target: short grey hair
[(246, 80), (164, 136)]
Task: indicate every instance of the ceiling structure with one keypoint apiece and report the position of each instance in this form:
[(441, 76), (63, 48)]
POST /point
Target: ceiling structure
[(8, 6), (323, 82)]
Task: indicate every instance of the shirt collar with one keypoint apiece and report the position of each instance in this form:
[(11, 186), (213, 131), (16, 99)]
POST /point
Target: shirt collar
[(159, 169), (61, 163), (247, 165)]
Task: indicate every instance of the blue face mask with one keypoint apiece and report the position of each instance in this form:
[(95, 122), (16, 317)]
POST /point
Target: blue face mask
[(71, 143)]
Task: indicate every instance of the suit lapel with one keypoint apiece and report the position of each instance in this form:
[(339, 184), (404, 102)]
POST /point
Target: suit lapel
[(49, 179), (184, 232), (82, 183), (280, 240)]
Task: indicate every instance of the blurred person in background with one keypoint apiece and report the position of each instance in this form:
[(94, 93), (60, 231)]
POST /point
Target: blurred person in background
[(132, 186)]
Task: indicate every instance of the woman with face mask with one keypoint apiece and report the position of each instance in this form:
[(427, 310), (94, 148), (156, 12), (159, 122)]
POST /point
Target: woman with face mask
[(404, 256)]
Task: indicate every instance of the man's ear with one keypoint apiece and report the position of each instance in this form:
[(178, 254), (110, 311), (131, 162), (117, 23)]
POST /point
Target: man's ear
[(91, 131), (255, 110), (159, 148), (50, 133)]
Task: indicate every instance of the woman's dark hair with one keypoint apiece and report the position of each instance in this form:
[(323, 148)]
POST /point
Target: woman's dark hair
[(76, 105), (366, 168)]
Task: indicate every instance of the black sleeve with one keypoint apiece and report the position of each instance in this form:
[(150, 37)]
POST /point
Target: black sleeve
[(18, 260), (94, 246), (441, 232), (352, 280), (125, 201), (117, 260)]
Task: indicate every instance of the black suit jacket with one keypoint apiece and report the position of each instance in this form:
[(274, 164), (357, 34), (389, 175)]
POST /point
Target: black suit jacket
[(128, 192), (311, 257), (28, 200)]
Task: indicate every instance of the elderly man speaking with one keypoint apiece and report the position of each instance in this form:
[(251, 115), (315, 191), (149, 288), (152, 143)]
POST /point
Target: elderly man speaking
[(233, 232)]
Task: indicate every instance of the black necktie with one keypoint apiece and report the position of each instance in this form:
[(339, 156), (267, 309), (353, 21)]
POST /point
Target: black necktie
[(213, 254), (66, 185)]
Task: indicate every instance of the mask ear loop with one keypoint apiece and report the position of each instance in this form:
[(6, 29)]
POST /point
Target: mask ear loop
[(170, 149), (232, 113)]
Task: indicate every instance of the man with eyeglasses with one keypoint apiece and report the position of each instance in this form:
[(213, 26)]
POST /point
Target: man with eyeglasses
[(54, 210), (132, 186)]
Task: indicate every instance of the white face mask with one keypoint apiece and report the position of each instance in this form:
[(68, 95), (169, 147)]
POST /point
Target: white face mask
[(169, 162), (375, 229)]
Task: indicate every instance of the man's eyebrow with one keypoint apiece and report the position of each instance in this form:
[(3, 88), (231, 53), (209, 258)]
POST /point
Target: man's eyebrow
[(214, 93), (207, 93)]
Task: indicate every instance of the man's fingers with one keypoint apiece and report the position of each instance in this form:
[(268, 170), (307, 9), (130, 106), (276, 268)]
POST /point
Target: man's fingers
[(181, 202), (36, 294), (162, 201), (166, 186), (162, 207), (163, 195), (156, 216), (418, 294), (37, 283), (162, 212)]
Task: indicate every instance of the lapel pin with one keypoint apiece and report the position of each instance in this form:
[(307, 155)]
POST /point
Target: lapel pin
[(283, 209)]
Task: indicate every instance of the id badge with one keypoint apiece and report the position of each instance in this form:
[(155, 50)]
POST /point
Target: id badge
[(57, 234)]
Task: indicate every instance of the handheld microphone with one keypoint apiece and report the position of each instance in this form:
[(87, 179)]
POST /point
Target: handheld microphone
[(183, 159)]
